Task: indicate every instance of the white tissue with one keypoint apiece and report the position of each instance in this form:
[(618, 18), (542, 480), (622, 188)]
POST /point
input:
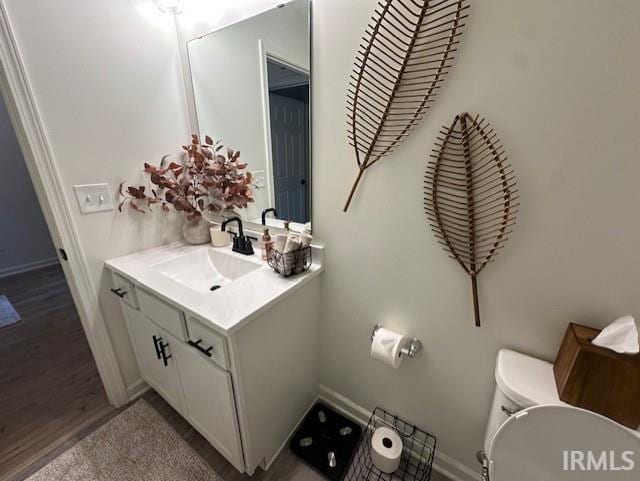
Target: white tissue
[(386, 346), (386, 449), (280, 242), (293, 243), (620, 336), (306, 239)]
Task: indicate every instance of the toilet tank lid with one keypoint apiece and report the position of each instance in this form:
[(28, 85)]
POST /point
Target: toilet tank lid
[(525, 380)]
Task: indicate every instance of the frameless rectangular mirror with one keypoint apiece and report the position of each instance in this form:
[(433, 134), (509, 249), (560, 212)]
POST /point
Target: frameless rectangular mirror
[(251, 84)]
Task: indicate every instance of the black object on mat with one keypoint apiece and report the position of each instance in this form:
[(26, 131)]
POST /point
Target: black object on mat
[(326, 441), (417, 454)]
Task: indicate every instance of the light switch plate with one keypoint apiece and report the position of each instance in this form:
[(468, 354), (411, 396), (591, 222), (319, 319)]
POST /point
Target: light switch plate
[(94, 197), (258, 178)]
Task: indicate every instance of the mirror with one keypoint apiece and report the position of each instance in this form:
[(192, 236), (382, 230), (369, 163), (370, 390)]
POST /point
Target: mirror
[(251, 85)]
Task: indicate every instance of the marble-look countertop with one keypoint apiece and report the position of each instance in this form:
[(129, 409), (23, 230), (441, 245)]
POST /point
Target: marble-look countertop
[(230, 307)]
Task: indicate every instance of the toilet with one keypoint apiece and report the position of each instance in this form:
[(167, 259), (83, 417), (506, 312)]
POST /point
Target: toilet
[(533, 436)]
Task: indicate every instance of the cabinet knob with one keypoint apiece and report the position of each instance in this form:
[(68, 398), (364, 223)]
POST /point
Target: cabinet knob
[(156, 340), (160, 350), (119, 292), (198, 345), (165, 356)]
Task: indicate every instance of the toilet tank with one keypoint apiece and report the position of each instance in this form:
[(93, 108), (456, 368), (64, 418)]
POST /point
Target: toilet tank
[(521, 382)]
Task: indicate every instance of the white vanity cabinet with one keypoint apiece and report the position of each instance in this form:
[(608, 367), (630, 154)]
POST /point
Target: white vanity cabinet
[(154, 352), (239, 364), (198, 389)]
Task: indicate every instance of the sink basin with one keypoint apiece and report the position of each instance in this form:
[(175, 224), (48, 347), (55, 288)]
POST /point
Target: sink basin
[(207, 269)]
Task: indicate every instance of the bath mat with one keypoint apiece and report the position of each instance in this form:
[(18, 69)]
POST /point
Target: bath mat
[(326, 441), (136, 445), (8, 314)]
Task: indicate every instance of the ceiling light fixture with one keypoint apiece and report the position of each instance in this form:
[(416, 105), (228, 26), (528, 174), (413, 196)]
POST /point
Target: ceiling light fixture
[(169, 6)]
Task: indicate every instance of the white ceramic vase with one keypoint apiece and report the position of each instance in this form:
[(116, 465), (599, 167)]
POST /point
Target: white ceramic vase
[(196, 231)]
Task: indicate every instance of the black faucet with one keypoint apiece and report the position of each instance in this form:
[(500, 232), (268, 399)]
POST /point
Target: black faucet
[(265, 212), (241, 243)]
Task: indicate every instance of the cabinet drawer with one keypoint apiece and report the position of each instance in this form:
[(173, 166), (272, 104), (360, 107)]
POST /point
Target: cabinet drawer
[(209, 344), (163, 314), (125, 290)]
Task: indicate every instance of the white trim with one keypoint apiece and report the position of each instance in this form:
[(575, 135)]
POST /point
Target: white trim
[(49, 189), (446, 465), (28, 266), (136, 389), (290, 435), (266, 122)]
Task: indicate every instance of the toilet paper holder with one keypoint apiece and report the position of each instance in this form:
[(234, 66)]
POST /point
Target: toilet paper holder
[(411, 348)]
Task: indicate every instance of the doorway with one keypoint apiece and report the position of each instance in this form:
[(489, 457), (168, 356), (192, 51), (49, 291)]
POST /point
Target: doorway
[(49, 384), (289, 118)]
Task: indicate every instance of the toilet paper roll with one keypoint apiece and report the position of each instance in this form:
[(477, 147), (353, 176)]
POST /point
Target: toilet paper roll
[(386, 346), (386, 449)]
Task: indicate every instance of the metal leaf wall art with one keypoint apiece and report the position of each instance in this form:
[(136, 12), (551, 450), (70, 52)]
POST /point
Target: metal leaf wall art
[(470, 195), (405, 55)]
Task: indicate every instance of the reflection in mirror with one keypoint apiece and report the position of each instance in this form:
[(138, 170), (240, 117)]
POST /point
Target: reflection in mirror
[(251, 86)]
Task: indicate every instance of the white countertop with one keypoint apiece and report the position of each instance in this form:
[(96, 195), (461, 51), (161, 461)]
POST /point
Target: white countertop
[(230, 307)]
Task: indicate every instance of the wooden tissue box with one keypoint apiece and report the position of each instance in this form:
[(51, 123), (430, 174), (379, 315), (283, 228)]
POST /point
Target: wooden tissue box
[(598, 379)]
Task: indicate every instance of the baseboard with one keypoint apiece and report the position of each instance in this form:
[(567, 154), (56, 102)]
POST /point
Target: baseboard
[(289, 436), (137, 389), (29, 266), (446, 465)]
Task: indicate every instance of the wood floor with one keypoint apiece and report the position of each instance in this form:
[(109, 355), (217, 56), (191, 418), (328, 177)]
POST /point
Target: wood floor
[(49, 385)]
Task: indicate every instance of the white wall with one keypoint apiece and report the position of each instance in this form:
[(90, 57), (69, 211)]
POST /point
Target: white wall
[(24, 238), (559, 82), (107, 83), (226, 70)]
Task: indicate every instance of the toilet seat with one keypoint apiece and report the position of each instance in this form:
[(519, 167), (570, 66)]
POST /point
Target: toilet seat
[(531, 445)]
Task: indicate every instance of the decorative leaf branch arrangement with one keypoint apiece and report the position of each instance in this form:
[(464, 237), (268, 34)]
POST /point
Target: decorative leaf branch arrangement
[(208, 180), (406, 52), (470, 195)]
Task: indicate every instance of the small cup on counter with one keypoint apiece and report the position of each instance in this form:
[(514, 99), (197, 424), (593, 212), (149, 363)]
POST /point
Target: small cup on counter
[(219, 238)]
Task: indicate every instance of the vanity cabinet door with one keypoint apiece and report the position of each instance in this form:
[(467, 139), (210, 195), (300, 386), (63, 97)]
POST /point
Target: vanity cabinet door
[(154, 349), (209, 403)]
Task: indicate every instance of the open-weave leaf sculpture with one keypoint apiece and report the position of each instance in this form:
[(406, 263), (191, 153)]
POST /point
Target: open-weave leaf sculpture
[(470, 195), (405, 54)]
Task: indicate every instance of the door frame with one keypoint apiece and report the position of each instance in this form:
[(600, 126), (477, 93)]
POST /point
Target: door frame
[(266, 54), (47, 182)]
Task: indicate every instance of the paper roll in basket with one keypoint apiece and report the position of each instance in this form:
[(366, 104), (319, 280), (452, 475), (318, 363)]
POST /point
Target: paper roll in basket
[(386, 449)]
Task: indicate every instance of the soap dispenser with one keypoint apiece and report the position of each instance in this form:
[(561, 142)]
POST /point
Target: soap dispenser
[(266, 245)]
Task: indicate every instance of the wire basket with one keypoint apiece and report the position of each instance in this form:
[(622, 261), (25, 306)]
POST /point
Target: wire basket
[(290, 263), (417, 454)]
